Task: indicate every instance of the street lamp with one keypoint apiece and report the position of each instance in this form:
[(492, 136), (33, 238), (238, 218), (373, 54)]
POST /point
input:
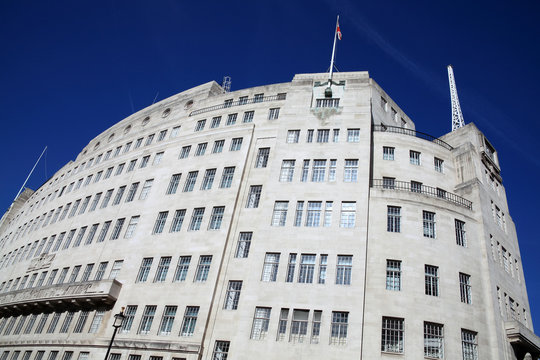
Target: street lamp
[(118, 320)]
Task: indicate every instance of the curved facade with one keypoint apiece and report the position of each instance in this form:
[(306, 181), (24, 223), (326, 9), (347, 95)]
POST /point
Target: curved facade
[(281, 221)]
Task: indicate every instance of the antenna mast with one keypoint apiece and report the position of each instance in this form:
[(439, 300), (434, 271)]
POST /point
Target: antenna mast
[(457, 116), (226, 85)]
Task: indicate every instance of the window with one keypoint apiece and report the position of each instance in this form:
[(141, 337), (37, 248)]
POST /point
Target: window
[(101, 270), (416, 186), (131, 165), (201, 149), (216, 217), (117, 266), (429, 224), (254, 196), (393, 223), (208, 179), (159, 225), (157, 158), (287, 171), (137, 143), (218, 146), (344, 269), (353, 135), (433, 340), (221, 350), (87, 271), (107, 198), (461, 240), (167, 320), (173, 184), (270, 267), (393, 275), (279, 216), (392, 335), (313, 217), (226, 178), (196, 219), (248, 116), (233, 295), (144, 161), (351, 170), (119, 169), (389, 183), (177, 221), (175, 131), (236, 144), (67, 355), (305, 171), (244, 243), (329, 205), (432, 280), (290, 268), (119, 194), (149, 139), (469, 344), (81, 321), (190, 181), (242, 100), (348, 214), (231, 119), (388, 153), (340, 324), (203, 268), (332, 170), (441, 193), (117, 228), (162, 269), (182, 268), (273, 113), (282, 326), (293, 136), (439, 164), (327, 103), (144, 270), (103, 232), (96, 321), (147, 319), (309, 138), (67, 322), (190, 320), (307, 268), (184, 153), (215, 122), (299, 325), (261, 320), (465, 288), (319, 168), (200, 125), (414, 157), (161, 135), (262, 158), (228, 103)]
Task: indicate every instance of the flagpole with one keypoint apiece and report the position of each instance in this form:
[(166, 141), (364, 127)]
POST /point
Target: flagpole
[(333, 52)]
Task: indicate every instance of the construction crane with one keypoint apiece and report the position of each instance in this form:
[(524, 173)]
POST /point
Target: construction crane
[(457, 116), (226, 85)]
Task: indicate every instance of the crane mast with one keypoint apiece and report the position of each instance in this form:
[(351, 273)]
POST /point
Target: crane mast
[(457, 116)]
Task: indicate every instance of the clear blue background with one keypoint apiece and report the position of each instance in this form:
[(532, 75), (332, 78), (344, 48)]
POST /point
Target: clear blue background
[(69, 70)]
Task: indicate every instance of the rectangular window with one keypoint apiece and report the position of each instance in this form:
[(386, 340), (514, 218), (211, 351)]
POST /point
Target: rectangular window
[(258, 98), (149, 139), (216, 217), (215, 122), (414, 157), (323, 135), (184, 153), (161, 135), (117, 228), (465, 288), (107, 198), (393, 223), (332, 170), (173, 184), (439, 164), (389, 182), (262, 158), (287, 171), (67, 322), (351, 170), (87, 271), (307, 268), (392, 335), (348, 215), (200, 125), (469, 344), (177, 221), (208, 179), (190, 181), (218, 146), (201, 149), (261, 320), (231, 119), (344, 269), (144, 162), (96, 322), (196, 219), (144, 270), (340, 324), (242, 100), (182, 268), (433, 340), (147, 319), (131, 165), (157, 158), (429, 224), (228, 103), (119, 194), (323, 262), (293, 136), (282, 326), (291, 266), (393, 275), (416, 186), (313, 217), (305, 171), (309, 138), (461, 240), (203, 268), (244, 243), (221, 350), (74, 274), (279, 216), (432, 280), (226, 178), (137, 143), (248, 116), (233, 295), (299, 325), (236, 144), (319, 169), (159, 225), (101, 270), (254, 196), (174, 132), (190, 320), (353, 135), (167, 320), (81, 321), (329, 205), (270, 267), (299, 213), (162, 269), (117, 266), (273, 113), (327, 103), (119, 169), (388, 153)]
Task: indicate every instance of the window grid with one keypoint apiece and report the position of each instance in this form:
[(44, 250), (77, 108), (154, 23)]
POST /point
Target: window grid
[(393, 219), (190, 320), (203, 268), (433, 340), (233, 295), (414, 157), (261, 320), (469, 344), (432, 280), (429, 224), (244, 243), (465, 288), (388, 153), (279, 216), (270, 267), (392, 335), (461, 240), (344, 270), (393, 275), (182, 268), (196, 219), (339, 329)]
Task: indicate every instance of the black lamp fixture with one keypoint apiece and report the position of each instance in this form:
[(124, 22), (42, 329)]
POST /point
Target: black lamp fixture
[(118, 321)]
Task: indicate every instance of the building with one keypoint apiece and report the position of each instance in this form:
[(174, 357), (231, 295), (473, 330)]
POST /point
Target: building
[(283, 221)]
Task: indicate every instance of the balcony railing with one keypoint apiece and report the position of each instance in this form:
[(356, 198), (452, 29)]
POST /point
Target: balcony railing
[(421, 189), (239, 103), (410, 132)]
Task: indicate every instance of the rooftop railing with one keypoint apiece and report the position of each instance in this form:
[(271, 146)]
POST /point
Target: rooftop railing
[(421, 189), (410, 132), (240, 102)]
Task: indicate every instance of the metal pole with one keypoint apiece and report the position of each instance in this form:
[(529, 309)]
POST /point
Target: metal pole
[(31, 171), (110, 344), (333, 52)]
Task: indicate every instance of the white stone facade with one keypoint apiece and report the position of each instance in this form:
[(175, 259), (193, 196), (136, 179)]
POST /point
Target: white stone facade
[(281, 222)]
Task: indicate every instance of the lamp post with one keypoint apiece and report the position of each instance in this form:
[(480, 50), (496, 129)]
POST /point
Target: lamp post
[(118, 320)]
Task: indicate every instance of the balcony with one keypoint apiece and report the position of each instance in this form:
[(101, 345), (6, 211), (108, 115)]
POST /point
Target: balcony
[(422, 189), (410, 132), (522, 339), (72, 297), (239, 103)]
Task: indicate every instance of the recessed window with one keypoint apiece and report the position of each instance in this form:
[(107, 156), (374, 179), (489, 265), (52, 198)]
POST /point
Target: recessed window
[(166, 113), (188, 104), (388, 153), (127, 129), (111, 137), (146, 120)]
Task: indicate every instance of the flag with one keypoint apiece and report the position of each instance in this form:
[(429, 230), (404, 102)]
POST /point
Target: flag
[(338, 31)]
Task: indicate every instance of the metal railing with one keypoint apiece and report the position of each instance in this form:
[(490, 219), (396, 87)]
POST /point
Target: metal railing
[(410, 132), (225, 105), (421, 189)]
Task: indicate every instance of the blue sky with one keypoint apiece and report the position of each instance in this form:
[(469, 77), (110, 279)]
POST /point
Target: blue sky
[(70, 70)]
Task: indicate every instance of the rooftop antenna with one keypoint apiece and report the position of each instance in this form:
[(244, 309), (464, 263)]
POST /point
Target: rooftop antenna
[(31, 171), (337, 35), (457, 116), (226, 85)]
